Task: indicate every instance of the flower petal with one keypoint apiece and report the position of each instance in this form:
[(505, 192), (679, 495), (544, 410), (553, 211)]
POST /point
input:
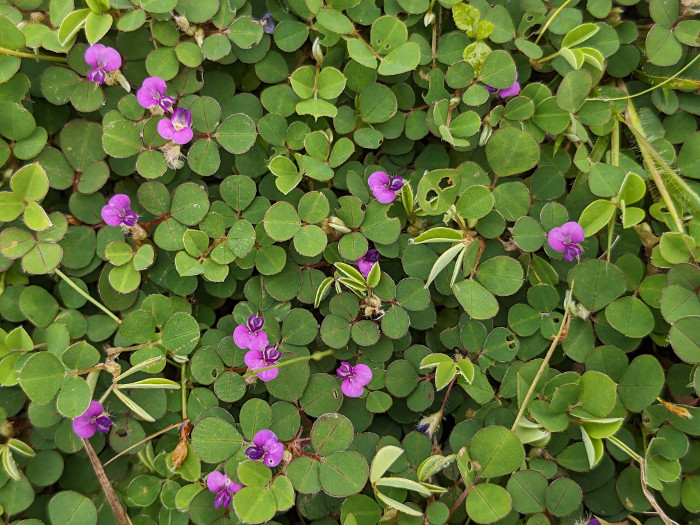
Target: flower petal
[(275, 453), (265, 438), (183, 136), (242, 336), (351, 388), (378, 179), (254, 359), (94, 55), (216, 481), (111, 216), (95, 409), (556, 239), (365, 266), (363, 374), (111, 59), (383, 195), (155, 85), (573, 231), (166, 129), (258, 341), (513, 90), (120, 200), (84, 427), (268, 375)]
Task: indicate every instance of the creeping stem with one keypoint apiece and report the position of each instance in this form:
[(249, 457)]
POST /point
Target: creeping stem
[(22, 54), (86, 295), (316, 357)]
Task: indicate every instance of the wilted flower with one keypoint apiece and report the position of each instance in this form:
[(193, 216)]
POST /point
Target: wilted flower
[(118, 211), (177, 127), (429, 424), (367, 261), (268, 23), (266, 447), (384, 187), (354, 378), (152, 94), (565, 239), (224, 487), (511, 91), (269, 356), (250, 335), (92, 420), (101, 59)]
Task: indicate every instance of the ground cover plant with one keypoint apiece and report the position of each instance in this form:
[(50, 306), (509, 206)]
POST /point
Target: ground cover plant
[(349, 262)]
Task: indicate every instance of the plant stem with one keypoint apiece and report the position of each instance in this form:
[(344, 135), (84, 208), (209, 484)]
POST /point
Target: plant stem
[(84, 294), (316, 357), (545, 362), (551, 19), (22, 54), (183, 389), (447, 393)]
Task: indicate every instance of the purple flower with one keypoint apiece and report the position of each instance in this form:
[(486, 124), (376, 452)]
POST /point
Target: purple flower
[(92, 420), (177, 127), (266, 447), (101, 59), (250, 335), (383, 187), (354, 378), (565, 239), (594, 521), (224, 487), (152, 94), (269, 356), (511, 91), (268, 23), (366, 262), (118, 211)]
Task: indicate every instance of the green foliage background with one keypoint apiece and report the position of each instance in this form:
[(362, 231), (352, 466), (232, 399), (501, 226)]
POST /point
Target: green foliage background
[(550, 390)]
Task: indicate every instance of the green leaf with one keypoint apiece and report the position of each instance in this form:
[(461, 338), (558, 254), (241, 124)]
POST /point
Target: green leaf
[(511, 151), (401, 60), (383, 459), (497, 451), (476, 300), (10, 36), (41, 377), (488, 503), (596, 215), (96, 26), (579, 35)]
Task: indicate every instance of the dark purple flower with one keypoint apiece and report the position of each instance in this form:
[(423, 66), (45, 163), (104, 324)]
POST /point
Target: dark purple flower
[(269, 356), (224, 487), (384, 187), (266, 447), (566, 238), (594, 521), (177, 127), (101, 59), (268, 23), (250, 336), (92, 420), (152, 94), (118, 211), (354, 378), (511, 91), (366, 262)]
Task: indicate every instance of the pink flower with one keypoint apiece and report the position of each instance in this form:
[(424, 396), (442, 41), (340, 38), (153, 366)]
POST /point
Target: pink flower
[(92, 420), (269, 356), (511, 91), (101, 59), (118, 211), (383, 187), (152, 94), (266, 447), (367, 261), (354, 378), (566, 238), (251, 335), (177, 127), (224, 487)]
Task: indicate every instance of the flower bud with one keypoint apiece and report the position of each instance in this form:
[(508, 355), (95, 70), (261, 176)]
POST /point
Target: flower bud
[(429, 18), (199, 36), (338, 225), (182, 23), (316, 51), (429, 424), (121, 79)]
